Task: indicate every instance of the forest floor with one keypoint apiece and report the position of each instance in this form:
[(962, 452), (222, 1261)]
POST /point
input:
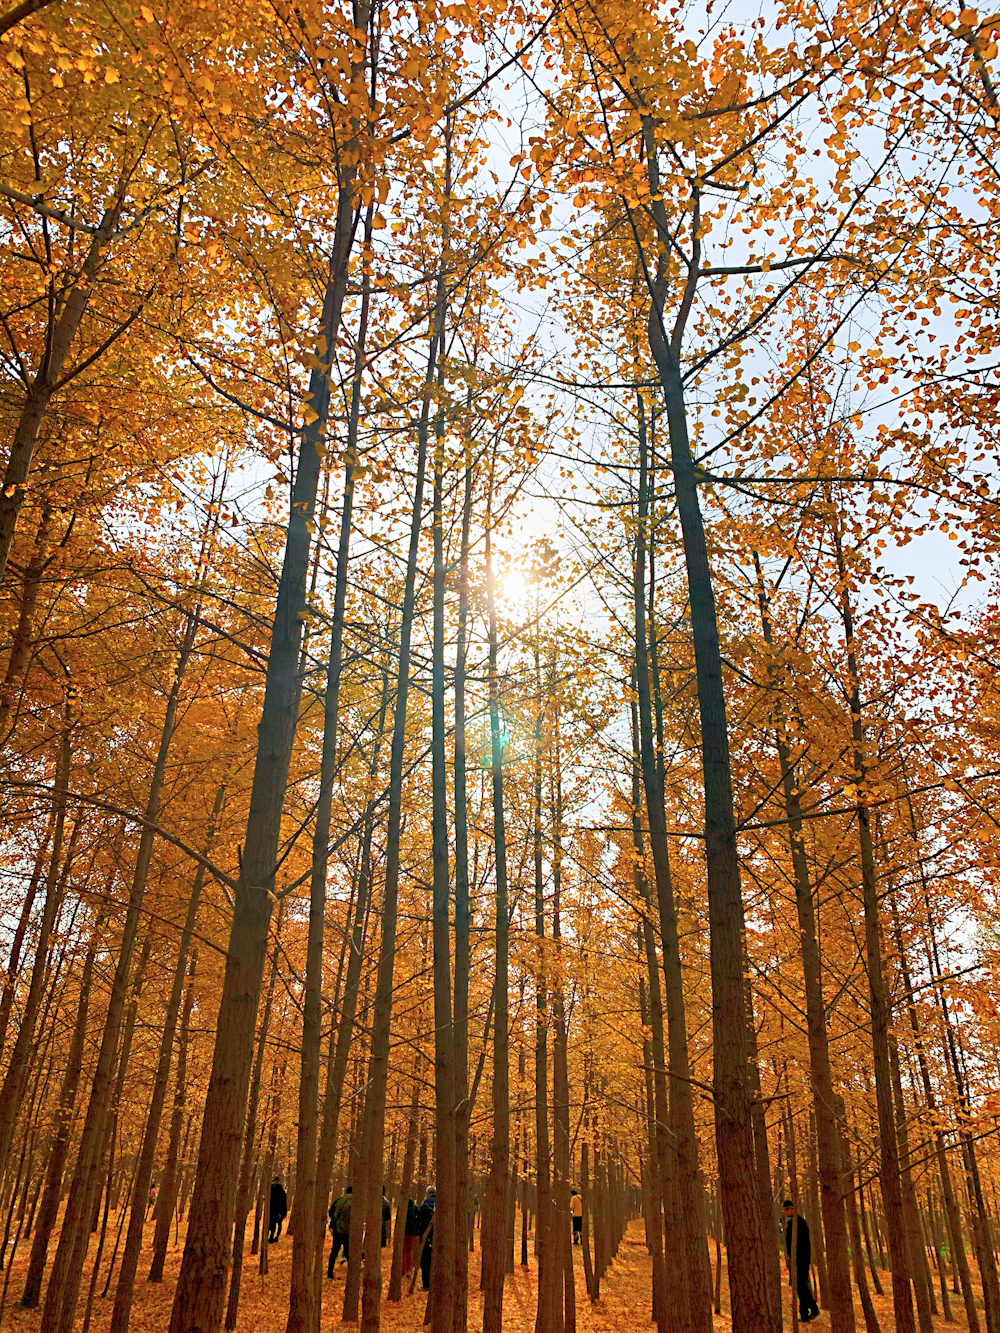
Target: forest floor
[(624, 1302)]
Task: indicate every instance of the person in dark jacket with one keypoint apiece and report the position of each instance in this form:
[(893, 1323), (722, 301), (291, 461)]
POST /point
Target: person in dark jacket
[(277, 1209), (425, 1228), (340, 1225), (808, 1309), (410, 1233), (386, 1217)]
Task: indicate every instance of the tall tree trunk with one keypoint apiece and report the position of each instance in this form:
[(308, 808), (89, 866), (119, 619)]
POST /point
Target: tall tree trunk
[(308, 1210), (463, 923), (167, 1199), (696, 1279), (20, 649), (548, 1312), (495, 1203), (560, 1053), (63, 1292), (746, 1230), (147, 1153), (16, 1080), (382, 1018), (201, 1285), (405, 1185), (441, 1307), (827, 1130), (671, 1296), (244, 1194), (52, 1191), (892, 1194), (43, 386), (17, 943), (857, 1252), (960, 1259)]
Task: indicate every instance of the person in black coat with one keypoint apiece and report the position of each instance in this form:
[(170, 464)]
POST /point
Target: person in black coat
[(425, 1224), (386, 1219), (410, 1233), (340, 1225), (277, 1209), (808, 1309)]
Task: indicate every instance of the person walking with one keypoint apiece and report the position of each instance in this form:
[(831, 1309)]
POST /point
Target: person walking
[(576, 1208), (277, 1210), (425, 1228), (386, 1218), (340, 1225), (410, 1233), (808, 1309)]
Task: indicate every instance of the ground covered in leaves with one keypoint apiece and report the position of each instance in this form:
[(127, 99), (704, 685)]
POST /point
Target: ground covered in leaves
[(624, 1302)]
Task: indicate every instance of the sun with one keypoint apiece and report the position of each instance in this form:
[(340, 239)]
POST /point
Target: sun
[(513, 585)]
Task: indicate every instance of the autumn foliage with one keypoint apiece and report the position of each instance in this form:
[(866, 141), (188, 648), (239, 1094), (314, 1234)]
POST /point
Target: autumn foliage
[(499, 624)]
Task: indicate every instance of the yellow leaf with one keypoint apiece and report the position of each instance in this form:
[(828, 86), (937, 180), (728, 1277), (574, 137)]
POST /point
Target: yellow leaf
[(147, 13), (378, 222), (111, 76)]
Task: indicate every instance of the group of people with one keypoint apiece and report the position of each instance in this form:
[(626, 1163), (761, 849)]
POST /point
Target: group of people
[(418, 1226), (419, 1231)]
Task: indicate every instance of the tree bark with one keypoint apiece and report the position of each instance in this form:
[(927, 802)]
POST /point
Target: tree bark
[(244, 1192), (821, 1078), (880, 1009), (42, 388), (442, 1297), (63, 1292), (694, 1277), (382, 1018), (49, 1207), (495, 1203), (308, 1209), (16, 1079), (201, 1286), (463, 923), (147, 1153)]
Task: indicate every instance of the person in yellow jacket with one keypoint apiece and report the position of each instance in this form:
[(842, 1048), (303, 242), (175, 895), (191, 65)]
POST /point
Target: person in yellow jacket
[(576, 1208)]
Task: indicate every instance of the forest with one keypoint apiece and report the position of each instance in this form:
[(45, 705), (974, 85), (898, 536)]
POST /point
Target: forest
[(499, 648)]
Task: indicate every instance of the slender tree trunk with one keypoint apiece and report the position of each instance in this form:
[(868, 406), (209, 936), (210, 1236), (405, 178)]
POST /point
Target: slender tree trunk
[(381, 1024), (495, 1203), (406, 1184), (201, 1286), (442, 1296), (827, 1131), (880, 1008), (959, 1257), (63, 1292), (463, 956), (560, 1055), (590, 1277), (16, 1080), (671, 1309), (750, 1288), (244, 1192), (308, 1210), (20, 650), (64, 1123), (44, 385), (133, 1239), (548, 1313), (340, 1050), (17, 943), (694, 1282), (167, 1200), (910, 1215), (857, 1254)]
